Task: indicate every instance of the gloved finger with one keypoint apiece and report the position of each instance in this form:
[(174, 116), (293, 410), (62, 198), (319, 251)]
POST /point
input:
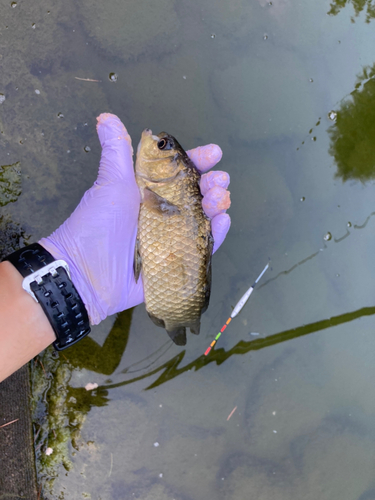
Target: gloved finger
[(116, 163), (212, 179), (205, 157), (220, 225), (216, 201)]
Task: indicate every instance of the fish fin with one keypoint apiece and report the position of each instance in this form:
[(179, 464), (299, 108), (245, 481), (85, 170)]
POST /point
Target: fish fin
[(159, 204), (210, 248), (195, 326), (156, 321), (178, 334), (137, 261)]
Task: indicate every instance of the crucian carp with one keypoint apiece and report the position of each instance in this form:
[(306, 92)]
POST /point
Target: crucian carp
[(174, 241)]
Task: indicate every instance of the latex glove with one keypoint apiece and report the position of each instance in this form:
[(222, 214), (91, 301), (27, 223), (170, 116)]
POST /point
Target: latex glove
[(97, 240)]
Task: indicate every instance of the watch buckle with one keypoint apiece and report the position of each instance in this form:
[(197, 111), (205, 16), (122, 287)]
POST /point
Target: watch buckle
[(38, 275)]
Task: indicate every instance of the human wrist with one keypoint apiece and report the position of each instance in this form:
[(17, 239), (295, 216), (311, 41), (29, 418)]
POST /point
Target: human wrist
[(25, 329), (79, 279)]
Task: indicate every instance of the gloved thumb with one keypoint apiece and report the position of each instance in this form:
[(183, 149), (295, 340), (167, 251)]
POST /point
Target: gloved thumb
[(116, 163)]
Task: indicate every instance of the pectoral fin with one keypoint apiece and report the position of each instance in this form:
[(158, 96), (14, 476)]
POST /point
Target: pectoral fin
[(159, 204), (137, 261)]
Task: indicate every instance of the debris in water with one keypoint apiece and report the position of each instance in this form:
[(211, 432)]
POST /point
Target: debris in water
[(327, 236), (113, 77), (91, 387), (231, 413), (213, 35), (49, 451), (86, 79), (87, 149), (332, 115)]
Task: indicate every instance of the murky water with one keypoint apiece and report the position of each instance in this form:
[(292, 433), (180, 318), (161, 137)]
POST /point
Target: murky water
[(287, 89)]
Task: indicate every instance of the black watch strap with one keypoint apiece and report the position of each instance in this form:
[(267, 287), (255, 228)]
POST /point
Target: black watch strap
[(54, 291)]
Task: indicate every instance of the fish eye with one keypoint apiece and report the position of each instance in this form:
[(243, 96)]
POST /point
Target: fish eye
[(164, 144)]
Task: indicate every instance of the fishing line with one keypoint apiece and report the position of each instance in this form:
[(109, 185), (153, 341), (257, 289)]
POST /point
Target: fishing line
[(240, 304)]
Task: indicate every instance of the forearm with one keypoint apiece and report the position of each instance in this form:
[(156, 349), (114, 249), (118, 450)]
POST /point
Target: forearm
[(24, 328)]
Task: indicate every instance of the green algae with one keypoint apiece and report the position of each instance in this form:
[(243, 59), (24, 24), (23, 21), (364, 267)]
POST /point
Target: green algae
[(10, 183), (12, 236), (59, 409)]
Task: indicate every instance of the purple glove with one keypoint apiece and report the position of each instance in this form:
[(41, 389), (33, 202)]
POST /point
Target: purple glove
[(97, 240)]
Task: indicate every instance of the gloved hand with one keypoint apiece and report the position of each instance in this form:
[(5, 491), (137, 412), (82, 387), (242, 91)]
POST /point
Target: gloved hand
[(97, 240)]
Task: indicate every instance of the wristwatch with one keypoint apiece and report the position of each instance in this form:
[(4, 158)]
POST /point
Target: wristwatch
[(48, 282)]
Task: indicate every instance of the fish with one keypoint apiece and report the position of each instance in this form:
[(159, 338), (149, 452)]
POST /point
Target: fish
[(174, 242)]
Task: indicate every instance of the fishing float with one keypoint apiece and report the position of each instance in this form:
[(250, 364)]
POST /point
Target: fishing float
[(240, 304)]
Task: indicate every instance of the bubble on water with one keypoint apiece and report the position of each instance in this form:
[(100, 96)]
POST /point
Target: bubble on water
[(327, 236), (213, 35), (156, 444), (37, 91), (302, 198), (113, 77), (60, 115), (161, 474), (184, 77), (13, 5), (311, 80), (332, 115), (313, 138), (33, 26), (349, 224), (2, 98), (265, 36), (87, 149)]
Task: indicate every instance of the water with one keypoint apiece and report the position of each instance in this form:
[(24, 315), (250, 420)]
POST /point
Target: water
[(294, 115)]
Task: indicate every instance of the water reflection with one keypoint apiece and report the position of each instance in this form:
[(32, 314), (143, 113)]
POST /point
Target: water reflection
[(171, 369), (358, 5), (352, 135)]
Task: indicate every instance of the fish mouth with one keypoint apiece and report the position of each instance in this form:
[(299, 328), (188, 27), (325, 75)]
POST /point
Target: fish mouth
[(146, 133)]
